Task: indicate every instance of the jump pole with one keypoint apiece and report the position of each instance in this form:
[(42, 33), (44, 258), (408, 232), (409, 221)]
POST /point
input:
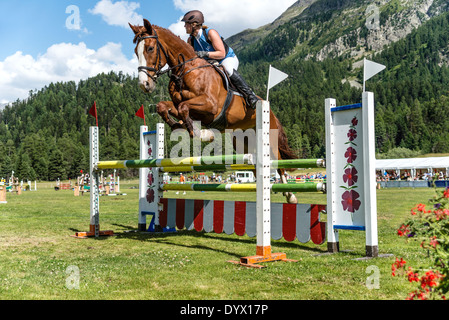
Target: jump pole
[(245, 187), (237, 162)]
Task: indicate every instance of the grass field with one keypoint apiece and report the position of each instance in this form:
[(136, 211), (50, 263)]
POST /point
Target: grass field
[(39, 259)]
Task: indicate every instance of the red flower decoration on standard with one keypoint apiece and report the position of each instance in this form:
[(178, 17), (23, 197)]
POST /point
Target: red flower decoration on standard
[(354, 121), (350, 202), (351, 154), (150, 179), (150, 195), (350, 176), (352, 134)]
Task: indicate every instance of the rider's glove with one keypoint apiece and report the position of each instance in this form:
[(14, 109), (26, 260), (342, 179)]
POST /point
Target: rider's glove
[(202, 54)]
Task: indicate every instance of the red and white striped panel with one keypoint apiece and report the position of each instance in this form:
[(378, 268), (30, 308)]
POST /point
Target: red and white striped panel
[(288, 221)]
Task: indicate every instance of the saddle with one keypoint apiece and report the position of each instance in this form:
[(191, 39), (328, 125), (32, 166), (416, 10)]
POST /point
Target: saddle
[(220, 122)]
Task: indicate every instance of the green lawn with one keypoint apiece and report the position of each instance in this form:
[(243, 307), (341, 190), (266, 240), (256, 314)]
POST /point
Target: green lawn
[(39, 258)]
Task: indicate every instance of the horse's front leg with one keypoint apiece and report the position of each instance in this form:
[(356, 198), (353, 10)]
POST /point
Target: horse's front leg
[(165, 109)]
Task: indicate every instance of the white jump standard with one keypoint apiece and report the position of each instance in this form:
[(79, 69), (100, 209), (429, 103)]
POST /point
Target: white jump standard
[(351, 172)]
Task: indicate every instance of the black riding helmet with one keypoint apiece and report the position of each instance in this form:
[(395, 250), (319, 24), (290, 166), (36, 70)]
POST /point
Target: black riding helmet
[(194, 16)]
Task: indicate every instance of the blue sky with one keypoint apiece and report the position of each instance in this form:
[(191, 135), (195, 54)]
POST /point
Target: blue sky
[(62, 40)]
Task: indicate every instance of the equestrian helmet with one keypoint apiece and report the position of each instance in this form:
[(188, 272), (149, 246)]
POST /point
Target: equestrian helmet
[(194, 16)]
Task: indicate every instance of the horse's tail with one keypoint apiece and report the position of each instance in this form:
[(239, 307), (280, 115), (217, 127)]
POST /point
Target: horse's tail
[(284, 149)]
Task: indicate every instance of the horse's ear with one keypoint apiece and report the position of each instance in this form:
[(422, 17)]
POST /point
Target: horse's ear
[(134, 28), (148, 26)]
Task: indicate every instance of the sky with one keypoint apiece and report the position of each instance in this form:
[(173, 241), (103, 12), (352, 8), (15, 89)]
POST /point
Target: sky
[(67, 40)]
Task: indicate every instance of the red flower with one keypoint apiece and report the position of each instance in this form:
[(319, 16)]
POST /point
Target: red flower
[(350, 202), (150, 195), (400, 263), (354, 121), (430, 279), (433, 241), (397, 265), (421, 208), (417, 294), (350, 176), (351, 154), (352, 135), (150, 179), (440, 214), (412, 276), (403, 230), (446, 193)]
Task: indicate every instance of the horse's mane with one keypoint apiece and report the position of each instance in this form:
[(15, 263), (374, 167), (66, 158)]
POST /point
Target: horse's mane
[(177, 40)]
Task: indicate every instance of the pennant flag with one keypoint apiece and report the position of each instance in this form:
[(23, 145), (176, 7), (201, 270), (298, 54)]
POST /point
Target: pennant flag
[(141, 114), (370, 70), (274, 77), (93, 112)]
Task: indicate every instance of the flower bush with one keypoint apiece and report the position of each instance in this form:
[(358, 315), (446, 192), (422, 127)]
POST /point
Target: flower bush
[(431, 228)]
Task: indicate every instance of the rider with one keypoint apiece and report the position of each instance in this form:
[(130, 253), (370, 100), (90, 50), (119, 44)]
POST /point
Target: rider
[(209, 45)]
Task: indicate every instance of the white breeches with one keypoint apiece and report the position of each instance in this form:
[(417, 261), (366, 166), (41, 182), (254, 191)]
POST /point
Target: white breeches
[(230, 64)]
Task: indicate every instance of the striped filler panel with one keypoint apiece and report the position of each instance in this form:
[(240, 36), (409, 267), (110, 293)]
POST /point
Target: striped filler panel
[(288, 221)]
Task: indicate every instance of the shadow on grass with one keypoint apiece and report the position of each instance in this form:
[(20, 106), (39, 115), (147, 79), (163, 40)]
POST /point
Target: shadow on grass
[(131, 233), (165, 237)]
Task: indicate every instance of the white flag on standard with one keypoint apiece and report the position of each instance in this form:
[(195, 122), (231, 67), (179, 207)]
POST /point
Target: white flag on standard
[(370, 69), (274, 77)]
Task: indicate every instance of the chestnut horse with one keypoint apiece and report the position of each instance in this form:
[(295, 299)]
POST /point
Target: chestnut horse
[(199, 92)]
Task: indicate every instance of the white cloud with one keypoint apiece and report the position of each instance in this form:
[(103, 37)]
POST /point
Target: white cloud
[(118, 13), (232, 16), (20, 73)]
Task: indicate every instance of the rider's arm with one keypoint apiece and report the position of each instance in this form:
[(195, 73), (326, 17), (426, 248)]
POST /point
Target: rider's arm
[(218, 45)]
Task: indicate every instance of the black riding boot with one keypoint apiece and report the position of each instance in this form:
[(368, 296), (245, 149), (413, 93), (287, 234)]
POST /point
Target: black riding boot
[(244, 89)]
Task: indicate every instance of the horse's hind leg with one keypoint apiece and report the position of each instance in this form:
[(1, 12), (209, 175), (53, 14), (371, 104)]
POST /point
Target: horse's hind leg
[(291, 198)]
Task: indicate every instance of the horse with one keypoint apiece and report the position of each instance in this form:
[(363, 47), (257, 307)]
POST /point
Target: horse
[(199, 91)]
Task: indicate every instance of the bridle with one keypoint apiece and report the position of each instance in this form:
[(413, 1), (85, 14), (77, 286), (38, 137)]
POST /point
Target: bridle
[(158, 70)]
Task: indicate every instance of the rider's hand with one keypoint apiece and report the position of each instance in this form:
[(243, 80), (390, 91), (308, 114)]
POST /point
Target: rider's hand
[(202, 54)]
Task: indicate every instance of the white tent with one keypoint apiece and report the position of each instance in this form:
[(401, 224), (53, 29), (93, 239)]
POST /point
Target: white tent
[(430, 164)]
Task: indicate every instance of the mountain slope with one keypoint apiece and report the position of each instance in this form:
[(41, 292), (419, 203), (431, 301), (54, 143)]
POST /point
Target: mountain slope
[(249, 36), (320, 29), (322, 50)]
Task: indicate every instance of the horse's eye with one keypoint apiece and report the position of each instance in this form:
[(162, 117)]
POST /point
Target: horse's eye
[(150, 49)]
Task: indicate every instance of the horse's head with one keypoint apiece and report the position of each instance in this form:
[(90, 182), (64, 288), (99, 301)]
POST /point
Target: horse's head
[(152, 56)]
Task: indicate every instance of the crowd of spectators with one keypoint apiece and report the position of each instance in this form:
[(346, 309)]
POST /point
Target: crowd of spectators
[(407, 176)]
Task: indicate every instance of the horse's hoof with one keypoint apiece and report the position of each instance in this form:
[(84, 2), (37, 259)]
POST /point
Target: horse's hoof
[(291, 198)]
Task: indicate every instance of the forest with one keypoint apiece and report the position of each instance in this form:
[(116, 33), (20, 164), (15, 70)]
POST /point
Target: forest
[(45, 137)]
